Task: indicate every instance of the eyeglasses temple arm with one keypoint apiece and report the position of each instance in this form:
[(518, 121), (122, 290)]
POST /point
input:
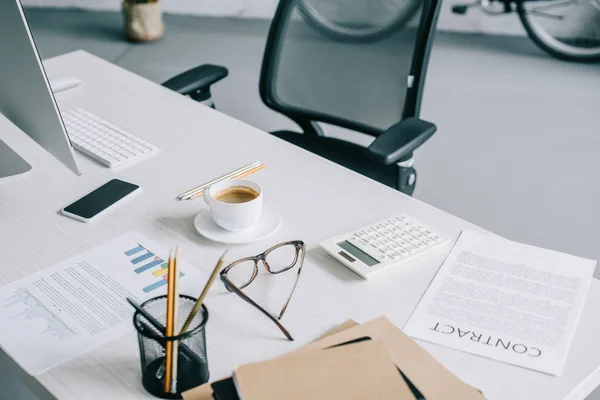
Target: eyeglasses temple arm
[(272, 318), (295, 283)]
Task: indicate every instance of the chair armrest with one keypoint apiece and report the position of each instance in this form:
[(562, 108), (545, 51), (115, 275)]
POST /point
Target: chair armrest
[(400, 140), (196, 79)]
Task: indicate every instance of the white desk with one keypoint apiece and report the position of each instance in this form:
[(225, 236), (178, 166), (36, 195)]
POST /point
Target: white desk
[(317, 199)]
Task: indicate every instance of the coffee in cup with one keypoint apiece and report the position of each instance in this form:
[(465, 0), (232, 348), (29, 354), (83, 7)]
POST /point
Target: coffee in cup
[(235, 205), (236, 195)]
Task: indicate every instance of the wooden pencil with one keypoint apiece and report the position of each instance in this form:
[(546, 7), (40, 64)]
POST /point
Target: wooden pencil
[(229, 175), (175, 313), (205, 290), (169, 326), (242, 175)]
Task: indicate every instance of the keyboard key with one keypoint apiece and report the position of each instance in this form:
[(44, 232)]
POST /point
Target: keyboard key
[(102, 140)]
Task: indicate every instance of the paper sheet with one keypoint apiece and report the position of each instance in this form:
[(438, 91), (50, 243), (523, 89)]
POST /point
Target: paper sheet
[(62, 311), (507, 301)]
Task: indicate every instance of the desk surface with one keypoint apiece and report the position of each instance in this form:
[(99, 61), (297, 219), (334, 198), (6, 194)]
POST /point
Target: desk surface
[(317, 199)]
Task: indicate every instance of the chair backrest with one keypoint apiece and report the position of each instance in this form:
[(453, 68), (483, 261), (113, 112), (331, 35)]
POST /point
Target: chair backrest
[(342, 62)]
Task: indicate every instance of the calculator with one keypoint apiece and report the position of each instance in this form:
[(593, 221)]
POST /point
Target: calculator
[(384, 244)]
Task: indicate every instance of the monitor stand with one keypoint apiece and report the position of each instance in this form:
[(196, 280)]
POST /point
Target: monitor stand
[(11, 164)]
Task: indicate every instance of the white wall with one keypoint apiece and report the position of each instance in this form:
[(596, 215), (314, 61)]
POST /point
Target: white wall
[(475, 21)]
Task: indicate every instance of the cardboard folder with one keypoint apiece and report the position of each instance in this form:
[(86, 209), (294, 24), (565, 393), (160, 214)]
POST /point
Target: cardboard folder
[(361, 371), (205, 392), (422, 370)]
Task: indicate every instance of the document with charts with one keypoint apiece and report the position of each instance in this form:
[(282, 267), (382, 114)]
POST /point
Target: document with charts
[(507, 301), (75, 305)]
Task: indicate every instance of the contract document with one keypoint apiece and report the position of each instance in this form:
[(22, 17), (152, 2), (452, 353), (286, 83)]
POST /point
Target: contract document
[(506, 301)]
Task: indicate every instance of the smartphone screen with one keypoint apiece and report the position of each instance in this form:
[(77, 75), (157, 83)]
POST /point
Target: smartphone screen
[(100, 199)]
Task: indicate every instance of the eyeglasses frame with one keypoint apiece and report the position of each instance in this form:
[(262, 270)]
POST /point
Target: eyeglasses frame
[(300, 247)]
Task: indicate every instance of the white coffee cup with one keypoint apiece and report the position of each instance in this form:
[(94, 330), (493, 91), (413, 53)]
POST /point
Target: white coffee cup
[(234, 217)]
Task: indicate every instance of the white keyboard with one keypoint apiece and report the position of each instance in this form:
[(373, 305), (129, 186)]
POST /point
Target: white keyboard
[(386, 243), (103, 141)]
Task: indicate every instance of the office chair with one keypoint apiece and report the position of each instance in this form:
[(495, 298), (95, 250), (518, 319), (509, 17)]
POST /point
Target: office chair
[(370, 86)]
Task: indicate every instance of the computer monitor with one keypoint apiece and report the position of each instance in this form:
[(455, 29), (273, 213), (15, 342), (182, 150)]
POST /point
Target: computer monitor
[(26, 98)]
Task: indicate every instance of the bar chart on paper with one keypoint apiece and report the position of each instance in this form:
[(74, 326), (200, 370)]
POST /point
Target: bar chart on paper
[(77, 304), (145, 261)]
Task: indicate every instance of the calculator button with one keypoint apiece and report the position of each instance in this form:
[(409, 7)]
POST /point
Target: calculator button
[(370, 249), (395, 239)]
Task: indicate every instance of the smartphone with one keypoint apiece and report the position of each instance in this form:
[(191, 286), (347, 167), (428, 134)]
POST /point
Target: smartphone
[(89, 207)]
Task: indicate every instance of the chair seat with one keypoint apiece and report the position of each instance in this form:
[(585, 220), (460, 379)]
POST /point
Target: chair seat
[(348, 154)]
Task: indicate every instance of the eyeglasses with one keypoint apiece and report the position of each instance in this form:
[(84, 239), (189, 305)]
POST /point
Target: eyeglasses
[(279, 258)]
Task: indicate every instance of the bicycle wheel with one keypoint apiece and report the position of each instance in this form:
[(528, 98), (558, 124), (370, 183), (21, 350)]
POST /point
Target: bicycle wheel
[(357, 21), (566, 29)]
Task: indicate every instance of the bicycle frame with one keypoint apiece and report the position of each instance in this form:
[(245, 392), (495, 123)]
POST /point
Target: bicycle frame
[(563, 48), (486, 5)]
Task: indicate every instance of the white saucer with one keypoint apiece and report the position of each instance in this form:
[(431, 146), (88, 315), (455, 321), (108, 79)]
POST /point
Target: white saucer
[(269, 222)]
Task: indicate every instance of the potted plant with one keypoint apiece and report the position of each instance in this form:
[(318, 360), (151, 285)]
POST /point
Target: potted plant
[(143, 20)]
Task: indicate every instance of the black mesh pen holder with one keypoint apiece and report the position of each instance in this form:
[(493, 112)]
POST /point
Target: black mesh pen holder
[(192, 363)]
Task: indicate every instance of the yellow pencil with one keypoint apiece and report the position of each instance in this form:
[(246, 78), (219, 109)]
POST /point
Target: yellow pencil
[(205, 290), (241, 175), (189, 193), (175, 314), (169, 326)]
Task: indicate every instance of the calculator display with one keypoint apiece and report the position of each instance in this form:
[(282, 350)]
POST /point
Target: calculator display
[(358, 253)]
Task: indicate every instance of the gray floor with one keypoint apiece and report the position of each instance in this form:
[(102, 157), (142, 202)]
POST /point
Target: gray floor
[(518, 141)]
